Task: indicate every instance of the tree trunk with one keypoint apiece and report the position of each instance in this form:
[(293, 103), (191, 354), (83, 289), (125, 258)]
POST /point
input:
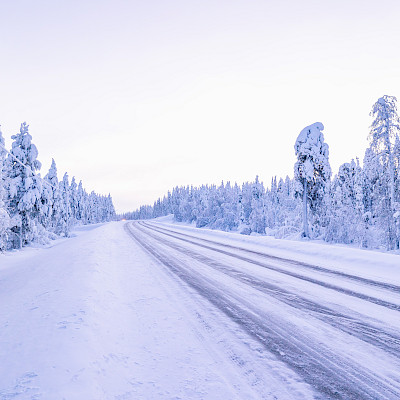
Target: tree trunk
[(391, 229), (391, 177), (305, 219)]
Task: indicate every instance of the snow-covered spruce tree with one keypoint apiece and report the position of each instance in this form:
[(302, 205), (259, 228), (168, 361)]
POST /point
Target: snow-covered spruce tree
[(227, 199), (66, 209), (257, 215), (346, 206), (287, 214), (73, 200), (58, 206), (24, 186), (372, 198), (396, 161), (364, 237), (82, 211), (110, 209), (218, 203), (396, 215), (230, 207), (384, 131), (4, 217), (312, 172), (245, 210), (271, 205), (202, 216), (47, 206), (186, 205), (93, 208), (157, 209)]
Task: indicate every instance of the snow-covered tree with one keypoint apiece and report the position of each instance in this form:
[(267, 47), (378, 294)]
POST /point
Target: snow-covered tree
[(24, 186), (230, 207), (81, 196), (66, 210), (312, 169), (346, 206), (245, 202), (257, 215), (4, 217), (110, 213), (396, 161), (94, 215), (384, 131), (47, 206), (57, 202), (73, 199)]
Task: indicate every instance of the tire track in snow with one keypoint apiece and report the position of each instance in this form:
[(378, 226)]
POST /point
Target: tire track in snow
[(331, 376), (360, 279), (327, 285), (348, 324)]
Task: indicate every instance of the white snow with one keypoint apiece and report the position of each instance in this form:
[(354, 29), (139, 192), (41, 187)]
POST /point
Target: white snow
[(310, 134), (96, 317), (93, 318)]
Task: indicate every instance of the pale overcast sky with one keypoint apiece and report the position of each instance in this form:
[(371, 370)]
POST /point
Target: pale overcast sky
[(136, 97)]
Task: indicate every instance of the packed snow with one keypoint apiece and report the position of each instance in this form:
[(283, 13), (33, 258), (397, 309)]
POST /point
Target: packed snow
[(166, 311)]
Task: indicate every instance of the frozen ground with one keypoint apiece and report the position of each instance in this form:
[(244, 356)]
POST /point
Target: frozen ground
[(151, 310)]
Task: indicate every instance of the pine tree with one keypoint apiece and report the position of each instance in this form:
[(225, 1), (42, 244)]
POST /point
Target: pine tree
[(396, 161), (312, 170), (58, 206), (24, 186), (110, 212), (229, 207), (384, 130), (4, 217), (81, 212), (257, 215), (346, 206), (47, 205), (66, 209), (73, 200), (93, 209)]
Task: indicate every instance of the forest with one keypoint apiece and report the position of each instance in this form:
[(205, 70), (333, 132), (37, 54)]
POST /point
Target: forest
[(360, 205), (35, 209)]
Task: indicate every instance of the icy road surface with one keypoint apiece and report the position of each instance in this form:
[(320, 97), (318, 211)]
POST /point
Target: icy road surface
[(146, 310)]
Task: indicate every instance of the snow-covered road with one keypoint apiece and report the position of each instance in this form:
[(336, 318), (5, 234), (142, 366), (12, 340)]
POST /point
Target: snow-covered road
[(146, 310), (337, 331)]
